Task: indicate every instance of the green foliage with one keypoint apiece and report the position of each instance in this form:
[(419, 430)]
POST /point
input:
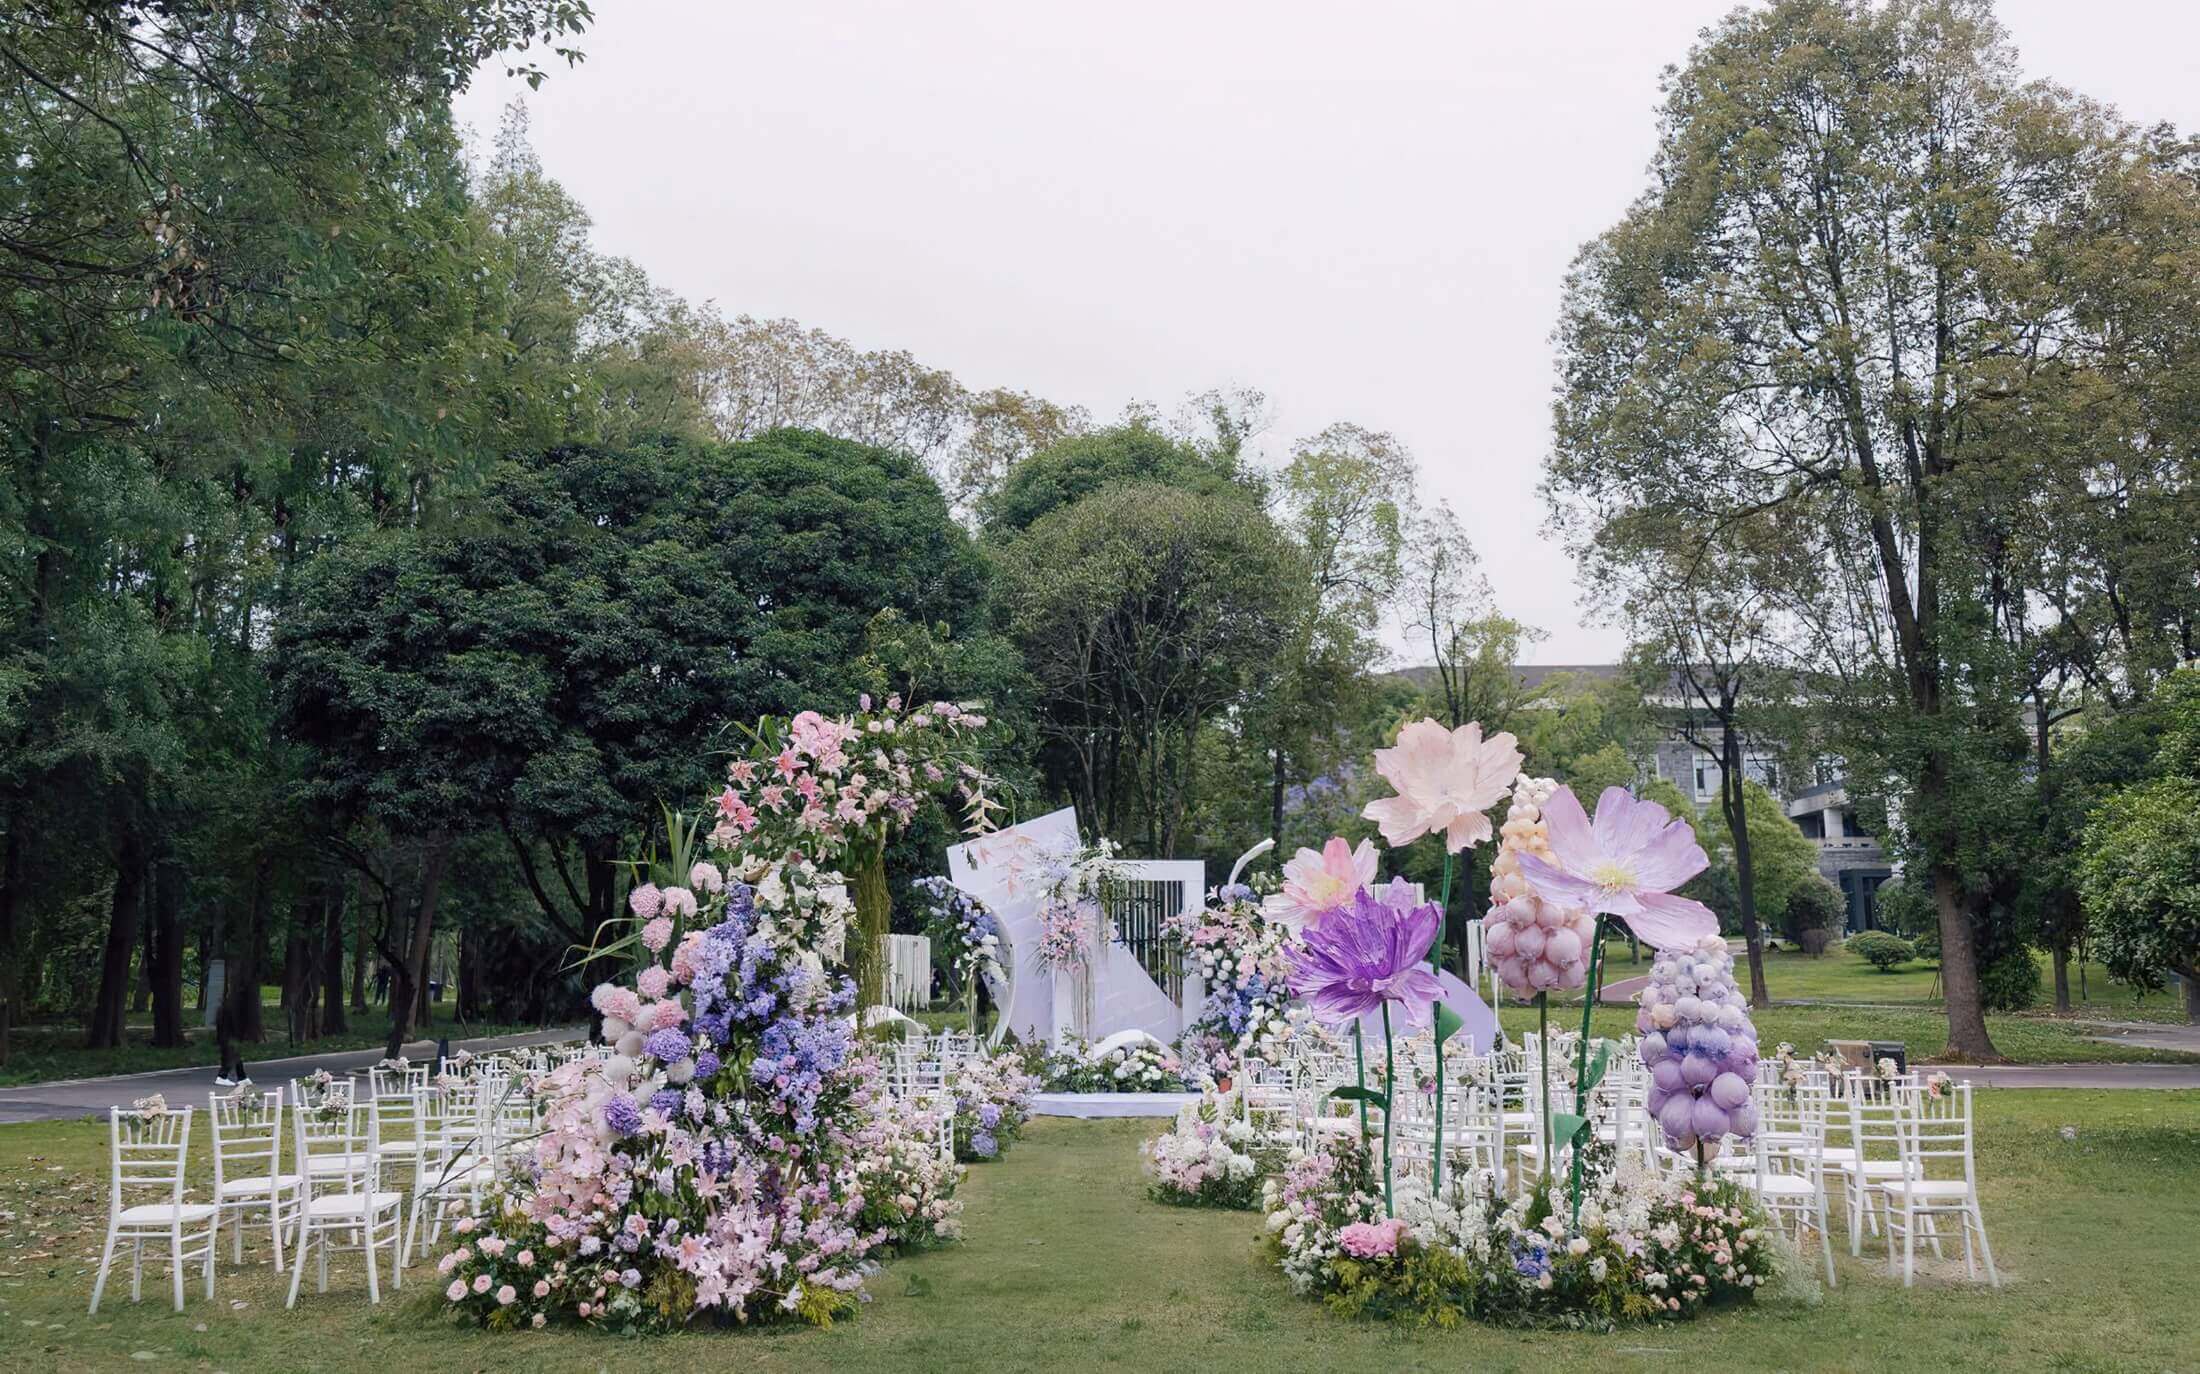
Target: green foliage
[(2140, 879), (1879, 949), (1814, 905), (1906, 908), (2009, 978), (1062, 475)]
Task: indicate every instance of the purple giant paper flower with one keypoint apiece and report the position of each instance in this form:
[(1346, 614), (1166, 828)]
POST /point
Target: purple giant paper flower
[(1626, 864), (1356, 958)]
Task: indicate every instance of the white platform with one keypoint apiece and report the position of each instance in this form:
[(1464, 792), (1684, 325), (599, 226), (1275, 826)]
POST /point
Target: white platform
[(1109, 1104)]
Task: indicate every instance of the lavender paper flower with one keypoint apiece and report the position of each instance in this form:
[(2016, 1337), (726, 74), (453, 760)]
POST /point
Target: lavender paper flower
[(1355, 959), (1625, 864)]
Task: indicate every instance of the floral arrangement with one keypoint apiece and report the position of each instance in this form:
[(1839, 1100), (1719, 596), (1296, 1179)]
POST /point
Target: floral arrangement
[(1700, 1048), (1212, 1157), (396, 1063), (1937, 1085), (149, 1109), (1647, 1247), (734, 1157), (1074, 889), (991, 1096), (813, 785), (1241, 950), (1141, 1066), (966, 934), (250, 1098)]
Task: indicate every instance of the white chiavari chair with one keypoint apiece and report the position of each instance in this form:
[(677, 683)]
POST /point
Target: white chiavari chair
[(344, 1203), (147, 1153), (249, 1177), (1787, 1157), (1939, 1177)]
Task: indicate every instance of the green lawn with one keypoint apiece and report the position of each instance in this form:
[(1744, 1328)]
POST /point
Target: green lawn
[(41, 1054), (1069, 1267)]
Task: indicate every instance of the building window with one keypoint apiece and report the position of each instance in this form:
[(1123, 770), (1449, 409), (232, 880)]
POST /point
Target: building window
[(1812, 824), (1764, 770), (1707, 779), (1850, 830)]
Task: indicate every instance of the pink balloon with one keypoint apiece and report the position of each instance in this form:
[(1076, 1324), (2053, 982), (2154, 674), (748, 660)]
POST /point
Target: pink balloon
[(1562, 947), (1729, 1091), (1497, 938), (1542, 977), (1528, 942)]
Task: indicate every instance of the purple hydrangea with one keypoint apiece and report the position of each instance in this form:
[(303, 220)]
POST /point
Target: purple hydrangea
[(706, 1064), (667, 1046), (666, 1102), (983, 1145), (621, 1115), (989, 1115)]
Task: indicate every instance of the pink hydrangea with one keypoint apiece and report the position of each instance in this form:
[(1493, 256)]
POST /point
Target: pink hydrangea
[(645, 901), (658, 933), (654, 982), (683, 958), (705, 877), (660, 1016), (1371, 1239), (676, 901), (614, 1001)]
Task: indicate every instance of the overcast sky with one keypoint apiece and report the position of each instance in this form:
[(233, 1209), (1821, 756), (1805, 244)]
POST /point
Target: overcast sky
[(1364, 210)]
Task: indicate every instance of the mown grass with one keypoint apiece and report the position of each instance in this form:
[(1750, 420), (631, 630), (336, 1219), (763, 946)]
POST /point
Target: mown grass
[(1068, 1267)]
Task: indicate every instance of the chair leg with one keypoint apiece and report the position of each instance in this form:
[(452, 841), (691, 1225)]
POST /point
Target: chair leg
[(1985, 1249), (210, 1241), (175, 1262), (366, 1242), (137, 1269), (236, 1237), (298, 1263), (275, 1225), (1910, 1220), (106, 1262)]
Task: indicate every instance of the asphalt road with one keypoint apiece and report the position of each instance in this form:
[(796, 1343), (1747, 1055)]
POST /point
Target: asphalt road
[(76, 1097)]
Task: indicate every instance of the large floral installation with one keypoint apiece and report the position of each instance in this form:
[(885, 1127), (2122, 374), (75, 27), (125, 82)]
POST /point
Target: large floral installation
[(1074, 889), (1603, 1244), (1125, 1063), (735, 1155), (1646, 1247), (1239, 946)]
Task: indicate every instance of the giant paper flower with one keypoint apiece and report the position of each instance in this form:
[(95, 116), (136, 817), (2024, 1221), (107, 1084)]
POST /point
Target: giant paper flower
[(1317, 882), (1352, 960), (1446, 780), (1626, 864)]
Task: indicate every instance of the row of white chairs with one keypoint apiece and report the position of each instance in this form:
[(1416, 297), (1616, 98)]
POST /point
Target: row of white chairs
[(336, 1179)]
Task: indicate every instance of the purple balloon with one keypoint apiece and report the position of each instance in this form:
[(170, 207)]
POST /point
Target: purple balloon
[(1712, 1041), (1653, 1047), (1675, 1115), (1707, 1119), (1697, 1070), (1666, 1074), (1744, 1119), (1729, 1091)]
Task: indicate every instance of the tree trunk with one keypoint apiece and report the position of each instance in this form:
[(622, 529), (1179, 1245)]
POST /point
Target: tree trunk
[(141, 987), (2061, 957), (1734, 802), (874, 910), (412, 978), (332, 961), (2190, 974), (11, 878), (167, 959), (114, 964), (362, 951), (246, 956), (1968, 1041), (1275, 801)]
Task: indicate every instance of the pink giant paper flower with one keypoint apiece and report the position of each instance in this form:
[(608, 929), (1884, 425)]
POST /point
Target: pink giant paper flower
[(1314, 883), (1446, 780), (1625, 864)]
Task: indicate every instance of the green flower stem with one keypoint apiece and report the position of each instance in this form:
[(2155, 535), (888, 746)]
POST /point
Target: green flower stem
[(1436, 960), (1390, 1106), (1581, 1057), (1543, 1056), (1359, 1069)]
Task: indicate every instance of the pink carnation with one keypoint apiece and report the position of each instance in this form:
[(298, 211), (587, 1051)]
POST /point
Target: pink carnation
[(658, 933), (1370, 1240), (654, 982)]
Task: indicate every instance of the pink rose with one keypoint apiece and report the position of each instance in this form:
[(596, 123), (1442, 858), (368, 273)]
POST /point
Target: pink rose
[(542, 1288), (507, 1295), (456, 1291), (481, 1283), (1370, 1240)]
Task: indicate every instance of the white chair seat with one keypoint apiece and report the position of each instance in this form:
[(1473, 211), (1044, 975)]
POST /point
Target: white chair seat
[(400, 1147), (1786, 1185), (1839, 1157), (321, 1166), (1928, 1187), (164, 1214), (258, 1185), (352, 1204)]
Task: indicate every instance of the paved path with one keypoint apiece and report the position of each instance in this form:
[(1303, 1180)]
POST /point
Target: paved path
[(2154, 1035), (2074, 1075), (76, 1097)]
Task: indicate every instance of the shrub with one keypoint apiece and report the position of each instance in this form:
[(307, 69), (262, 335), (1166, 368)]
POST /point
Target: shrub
[(1815, 909), (1882, 951), (1906, 909), (2010, 982)]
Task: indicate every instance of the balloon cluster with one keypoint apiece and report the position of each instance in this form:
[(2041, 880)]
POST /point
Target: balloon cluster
[(1535, 945), (1699, 1046)]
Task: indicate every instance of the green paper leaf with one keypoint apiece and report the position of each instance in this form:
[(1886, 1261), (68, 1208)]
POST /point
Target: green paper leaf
[(1598, 1063), (1353, 1093), (1448, 1022), (1564, 1127)]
